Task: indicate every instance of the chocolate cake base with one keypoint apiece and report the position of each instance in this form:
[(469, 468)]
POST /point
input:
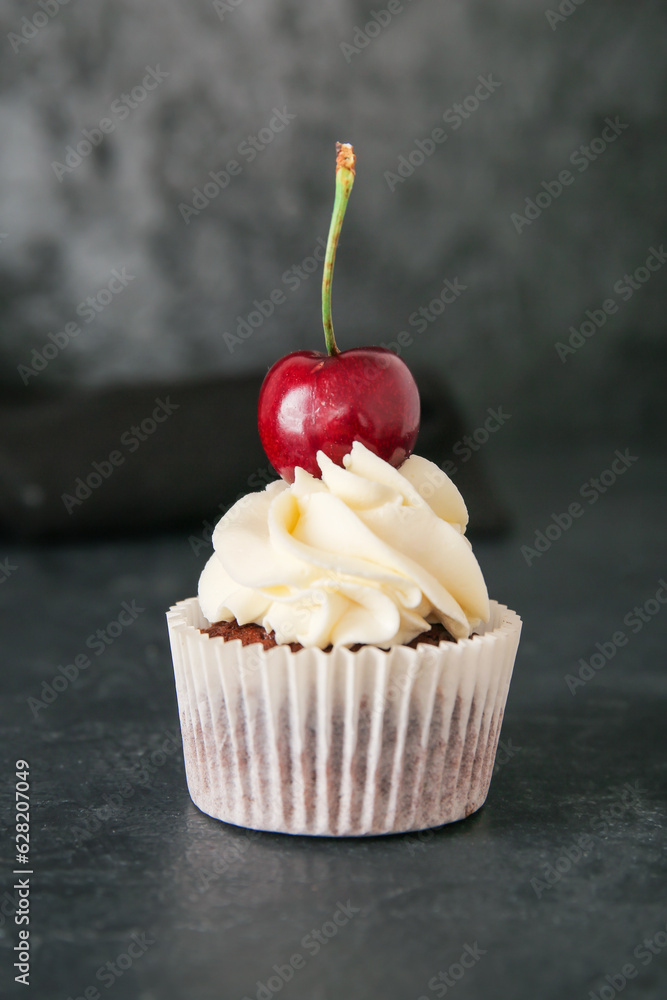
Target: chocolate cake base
[(251, 633), (326, 744)]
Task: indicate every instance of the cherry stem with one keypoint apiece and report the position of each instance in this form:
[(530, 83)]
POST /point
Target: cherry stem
[(345, 161)]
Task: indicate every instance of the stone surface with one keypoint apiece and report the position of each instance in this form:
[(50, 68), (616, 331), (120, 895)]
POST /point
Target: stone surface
[(118, 848)]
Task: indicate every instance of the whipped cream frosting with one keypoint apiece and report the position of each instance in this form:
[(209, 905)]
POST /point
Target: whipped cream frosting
[(366, 554)]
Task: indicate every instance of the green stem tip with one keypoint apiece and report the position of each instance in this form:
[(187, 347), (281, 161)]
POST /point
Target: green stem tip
[(345, 163)]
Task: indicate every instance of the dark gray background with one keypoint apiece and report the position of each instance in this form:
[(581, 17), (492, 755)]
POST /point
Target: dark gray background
[(451, 218)]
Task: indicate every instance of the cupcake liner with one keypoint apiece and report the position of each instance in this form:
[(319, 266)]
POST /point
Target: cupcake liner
[(340, 743)]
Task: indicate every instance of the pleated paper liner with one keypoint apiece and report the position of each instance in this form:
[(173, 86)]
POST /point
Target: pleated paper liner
[(340, 743)]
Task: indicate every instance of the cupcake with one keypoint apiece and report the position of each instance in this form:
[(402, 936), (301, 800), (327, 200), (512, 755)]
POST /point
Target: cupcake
[(357, 680), (342, 671)]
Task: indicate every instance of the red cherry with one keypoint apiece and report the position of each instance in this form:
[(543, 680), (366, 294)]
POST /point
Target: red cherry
[(310, 401)]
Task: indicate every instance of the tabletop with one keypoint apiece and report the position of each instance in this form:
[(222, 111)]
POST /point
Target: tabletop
[(556, 888)]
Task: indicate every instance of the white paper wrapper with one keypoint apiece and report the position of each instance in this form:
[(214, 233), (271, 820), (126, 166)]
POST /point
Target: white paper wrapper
[(340, 743)]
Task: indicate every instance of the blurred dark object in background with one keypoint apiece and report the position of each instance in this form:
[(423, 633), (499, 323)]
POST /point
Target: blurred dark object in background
[(164, 455)]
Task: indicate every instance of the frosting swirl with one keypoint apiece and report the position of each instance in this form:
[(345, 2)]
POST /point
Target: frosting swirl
[(366, 554)]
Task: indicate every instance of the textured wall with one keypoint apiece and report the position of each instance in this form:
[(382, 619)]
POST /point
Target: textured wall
[(551, 84)]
